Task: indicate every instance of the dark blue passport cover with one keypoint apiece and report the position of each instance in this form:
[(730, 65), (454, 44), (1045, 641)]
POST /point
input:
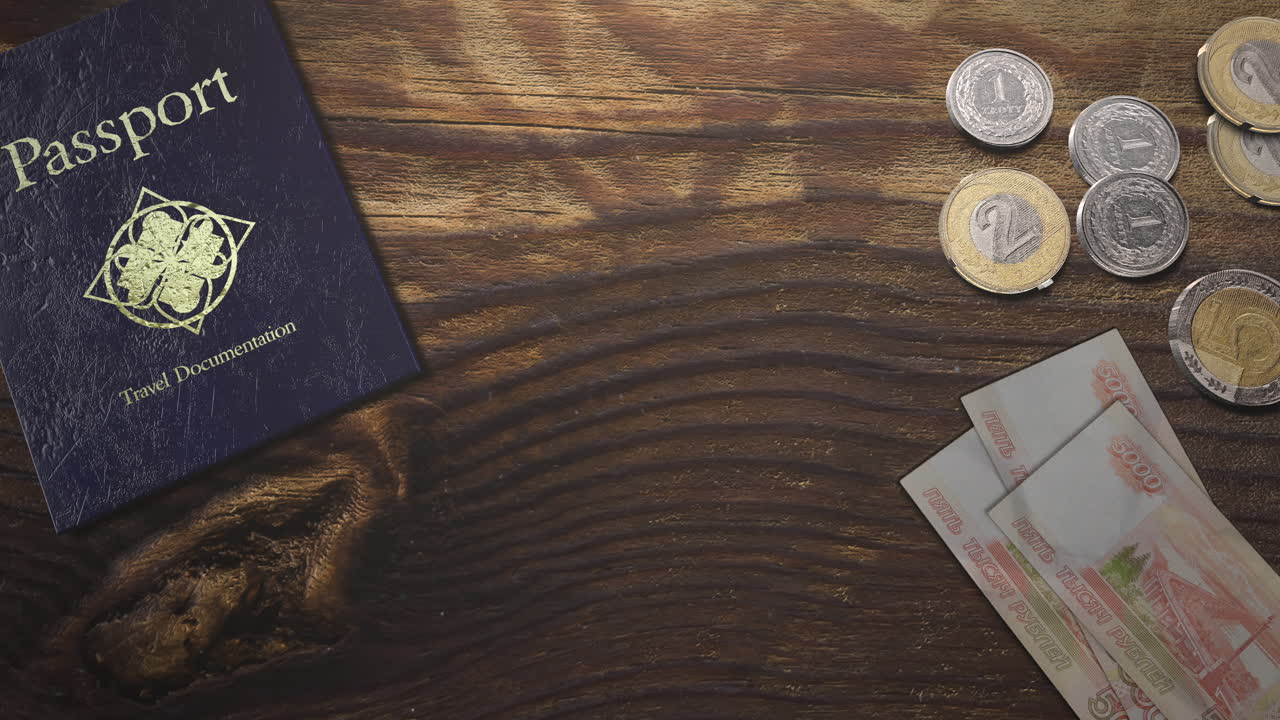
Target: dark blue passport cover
[(182, 275)]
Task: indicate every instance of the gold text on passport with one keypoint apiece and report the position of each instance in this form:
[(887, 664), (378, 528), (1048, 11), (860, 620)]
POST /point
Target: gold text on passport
[(183, 372), (132, 129)]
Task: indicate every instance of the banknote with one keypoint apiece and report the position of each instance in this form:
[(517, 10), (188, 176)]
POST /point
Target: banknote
[(953, 489), (1153, 571), (1026, 417)]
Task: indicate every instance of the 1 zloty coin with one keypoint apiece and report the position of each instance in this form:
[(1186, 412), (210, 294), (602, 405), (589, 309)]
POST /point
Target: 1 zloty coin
[(1123, 134), (1132, 224), (1000, 98)]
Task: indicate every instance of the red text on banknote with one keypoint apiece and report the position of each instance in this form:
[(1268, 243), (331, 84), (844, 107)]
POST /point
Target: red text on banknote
[(1133, 467), (999, 434), (1111, 385)]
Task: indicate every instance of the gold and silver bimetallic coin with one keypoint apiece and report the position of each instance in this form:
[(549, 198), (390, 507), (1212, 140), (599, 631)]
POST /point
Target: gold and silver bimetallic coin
[(1239, 69), (1005, 231), (1249, 161), (1133, 224), (1123, 134), (1000, 98), (1225, 334)]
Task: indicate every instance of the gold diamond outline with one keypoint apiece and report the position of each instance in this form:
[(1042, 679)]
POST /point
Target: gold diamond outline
[(137, 208)]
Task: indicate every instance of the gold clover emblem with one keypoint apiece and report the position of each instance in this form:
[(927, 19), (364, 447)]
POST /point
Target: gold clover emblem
[(170, 264)]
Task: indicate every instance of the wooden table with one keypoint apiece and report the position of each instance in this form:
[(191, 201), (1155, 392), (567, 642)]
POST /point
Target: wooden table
[(673, 273)]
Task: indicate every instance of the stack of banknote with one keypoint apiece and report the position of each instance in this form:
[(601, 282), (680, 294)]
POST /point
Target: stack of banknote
[(1074, 508)]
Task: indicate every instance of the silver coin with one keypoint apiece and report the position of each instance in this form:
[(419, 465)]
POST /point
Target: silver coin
[(1000, 98), (1123, 134), (1132, 224), (1224, 331)]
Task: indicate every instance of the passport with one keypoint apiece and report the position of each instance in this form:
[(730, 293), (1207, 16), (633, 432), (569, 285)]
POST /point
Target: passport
[(182, 273)]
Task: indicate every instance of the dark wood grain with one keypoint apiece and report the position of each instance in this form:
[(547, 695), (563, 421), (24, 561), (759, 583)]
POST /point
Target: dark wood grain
[(672, 270)]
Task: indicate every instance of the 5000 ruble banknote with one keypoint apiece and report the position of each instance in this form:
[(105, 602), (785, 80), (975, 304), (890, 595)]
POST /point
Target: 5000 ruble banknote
[(953, 489), (1153, 571)]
